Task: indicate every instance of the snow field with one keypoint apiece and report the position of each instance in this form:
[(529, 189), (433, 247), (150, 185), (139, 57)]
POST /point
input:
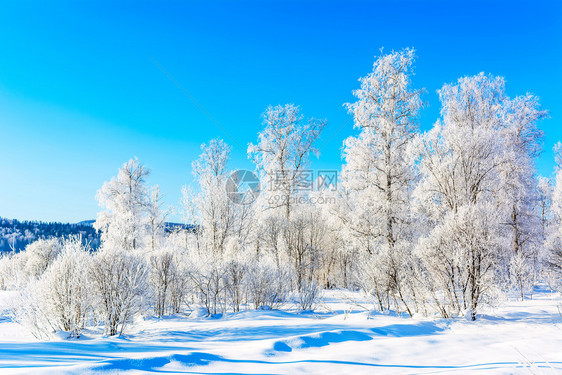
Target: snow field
[(341, 337)]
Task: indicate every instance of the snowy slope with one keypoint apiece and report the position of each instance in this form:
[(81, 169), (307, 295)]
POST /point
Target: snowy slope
[(342, 337)]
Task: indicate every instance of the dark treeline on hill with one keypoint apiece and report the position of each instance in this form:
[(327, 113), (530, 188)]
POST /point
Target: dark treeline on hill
[(15, 235)]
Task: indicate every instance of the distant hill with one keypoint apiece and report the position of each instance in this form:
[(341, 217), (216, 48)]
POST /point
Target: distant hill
[(86, 222), (16, 235), (168, 225)]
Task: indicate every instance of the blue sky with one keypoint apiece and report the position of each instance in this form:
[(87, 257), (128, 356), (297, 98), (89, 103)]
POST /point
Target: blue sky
[(80, 94)]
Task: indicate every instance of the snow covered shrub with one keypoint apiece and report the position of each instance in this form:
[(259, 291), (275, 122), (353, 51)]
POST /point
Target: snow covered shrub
[(372, 279), (308, 294), (66, 287), (180, 288), (29, 312), (302, 238), (34, 260), (238, 258), (40, 254), (168, 278), (268, 285), (119, 282), (335, 259), (523, 273), (207, 280), (554, 269), (461, 256), (162, 275), (60, 299), (389, 277), (234, 278)]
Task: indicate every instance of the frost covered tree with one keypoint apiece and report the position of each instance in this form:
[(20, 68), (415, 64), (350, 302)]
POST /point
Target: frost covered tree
[(378, 174), (554, 234), (133, 221), (39, 255), (65, 288), (282, 155), (31, 263), (123, 222), (162, 276), (215, 213), (60, 300), (220, 221), (303, 238), (119, 283), (287, 233), (155, 218), (267, 284), (544, 196), (518, 193), (468, 172)]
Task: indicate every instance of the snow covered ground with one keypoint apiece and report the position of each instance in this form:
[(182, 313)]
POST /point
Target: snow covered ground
[(340, 338)]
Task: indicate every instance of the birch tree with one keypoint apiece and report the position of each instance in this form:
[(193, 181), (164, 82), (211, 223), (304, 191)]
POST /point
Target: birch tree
[(460, 167), (554, 240), (518, 193), (378, 173)]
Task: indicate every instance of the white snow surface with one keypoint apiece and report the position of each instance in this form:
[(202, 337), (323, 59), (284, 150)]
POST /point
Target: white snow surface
[(341, 337)]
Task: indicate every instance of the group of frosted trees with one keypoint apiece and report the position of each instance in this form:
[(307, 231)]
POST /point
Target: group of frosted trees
[(444, 220), (435, 223)]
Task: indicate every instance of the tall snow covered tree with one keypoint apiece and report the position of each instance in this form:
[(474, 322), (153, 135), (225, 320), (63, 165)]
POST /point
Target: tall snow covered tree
[(518, 193), (123, 223), (554, 239), (379, 174), (476, 165)]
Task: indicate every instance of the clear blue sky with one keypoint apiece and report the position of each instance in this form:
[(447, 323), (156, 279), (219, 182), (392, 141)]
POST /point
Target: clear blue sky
[(80, 95)]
